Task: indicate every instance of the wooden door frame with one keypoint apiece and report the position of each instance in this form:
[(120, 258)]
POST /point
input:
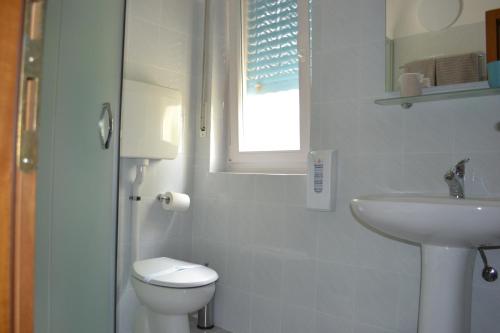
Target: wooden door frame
[(17, 197)]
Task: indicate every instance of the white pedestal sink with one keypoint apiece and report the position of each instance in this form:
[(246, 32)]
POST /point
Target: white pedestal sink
[(449, 231)]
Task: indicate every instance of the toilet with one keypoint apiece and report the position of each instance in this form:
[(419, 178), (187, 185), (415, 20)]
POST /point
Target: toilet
[(169, 290)]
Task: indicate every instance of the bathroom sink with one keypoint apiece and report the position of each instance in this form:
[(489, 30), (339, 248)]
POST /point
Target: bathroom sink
[(433, 220), (448, 230)]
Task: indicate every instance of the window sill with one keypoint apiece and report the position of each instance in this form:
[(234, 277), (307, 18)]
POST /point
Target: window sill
[(269, 167), (261, 173)]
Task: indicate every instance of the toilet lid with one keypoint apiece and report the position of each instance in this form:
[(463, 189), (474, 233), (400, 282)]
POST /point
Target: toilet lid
[(173, 273)]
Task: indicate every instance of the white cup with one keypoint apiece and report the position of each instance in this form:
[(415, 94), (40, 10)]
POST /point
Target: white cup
[(411, 84)]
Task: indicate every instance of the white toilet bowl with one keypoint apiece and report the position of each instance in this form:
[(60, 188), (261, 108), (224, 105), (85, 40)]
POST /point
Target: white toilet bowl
[(169, 290)]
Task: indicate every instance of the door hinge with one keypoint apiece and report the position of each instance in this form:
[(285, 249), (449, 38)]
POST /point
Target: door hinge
[(29, 90)]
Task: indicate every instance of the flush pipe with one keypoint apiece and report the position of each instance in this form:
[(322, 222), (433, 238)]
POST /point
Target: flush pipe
[(134, 198), (123, 279)]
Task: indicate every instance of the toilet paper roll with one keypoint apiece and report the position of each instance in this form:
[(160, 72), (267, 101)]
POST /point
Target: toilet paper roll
[(176, 202)]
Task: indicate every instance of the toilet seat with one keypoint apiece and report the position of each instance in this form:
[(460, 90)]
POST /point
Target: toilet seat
[(172, 273)]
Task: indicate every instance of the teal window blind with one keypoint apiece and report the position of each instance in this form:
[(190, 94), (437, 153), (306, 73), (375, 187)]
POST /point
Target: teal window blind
[(272, 53)]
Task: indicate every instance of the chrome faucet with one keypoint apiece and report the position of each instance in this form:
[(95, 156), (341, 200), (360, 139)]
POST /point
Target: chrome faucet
[(455, 179)]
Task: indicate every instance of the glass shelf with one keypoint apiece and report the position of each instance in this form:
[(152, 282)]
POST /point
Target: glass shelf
[(407, 102)]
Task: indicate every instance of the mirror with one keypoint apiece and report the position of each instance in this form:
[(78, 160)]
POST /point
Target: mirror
[(444, 40)]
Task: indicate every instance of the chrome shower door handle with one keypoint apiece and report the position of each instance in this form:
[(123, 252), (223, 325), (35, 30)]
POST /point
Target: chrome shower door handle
[(106, 125)]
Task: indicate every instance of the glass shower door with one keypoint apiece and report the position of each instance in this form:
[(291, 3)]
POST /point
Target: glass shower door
[(77, 176)]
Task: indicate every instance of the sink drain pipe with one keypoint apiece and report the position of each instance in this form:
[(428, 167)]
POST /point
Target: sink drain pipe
[(489, 274)]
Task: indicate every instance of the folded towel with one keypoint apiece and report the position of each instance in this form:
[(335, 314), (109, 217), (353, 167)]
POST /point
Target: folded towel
[(426, 67), (461, 68)]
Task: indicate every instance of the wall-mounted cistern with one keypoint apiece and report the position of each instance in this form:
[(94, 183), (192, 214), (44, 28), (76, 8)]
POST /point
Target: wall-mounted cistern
[(455, 179)]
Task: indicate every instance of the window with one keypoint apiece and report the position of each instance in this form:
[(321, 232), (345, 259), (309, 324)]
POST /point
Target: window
[(269, 114)]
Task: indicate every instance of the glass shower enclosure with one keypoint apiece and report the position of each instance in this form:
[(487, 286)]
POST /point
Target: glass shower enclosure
[(77, 174)]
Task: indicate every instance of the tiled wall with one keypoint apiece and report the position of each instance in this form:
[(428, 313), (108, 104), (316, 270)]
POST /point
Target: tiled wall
[(284, 268), (164, 47), (287, 269)]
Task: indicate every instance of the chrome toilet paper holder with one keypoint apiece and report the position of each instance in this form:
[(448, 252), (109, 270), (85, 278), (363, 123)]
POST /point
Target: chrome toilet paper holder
[(163, 197)]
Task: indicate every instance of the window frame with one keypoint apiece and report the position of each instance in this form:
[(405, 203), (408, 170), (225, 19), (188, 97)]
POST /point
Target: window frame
[(266, 161)]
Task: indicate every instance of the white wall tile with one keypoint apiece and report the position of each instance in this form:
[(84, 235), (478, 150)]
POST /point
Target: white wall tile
[(381, 129), (269, 226), (372, 173), (429, 130), (485, 305), (270, 189), (339, 122), (148, 10), (483, 176), (215, 254), (372, 21), (184, 16), (220, 300), (267, 274), (362, 328), (371, 66), (295, 190), (374, 250), (127, 305), (240, 222), (407, 258), (178, 247), (335, 291), (237, 311), (477, 125), (336, 236), (335, 74), (349, 183), (328, 324), (316, 135), (336, 23), (297, 320), (408, 297), (381, 150), (299, 236), (216, 220), (216, 185), (299, 283), (265, 315), (198, 207), (172, 52), (376, 298), (143, 41), (241, 186), (424, 172), (239, 265)]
